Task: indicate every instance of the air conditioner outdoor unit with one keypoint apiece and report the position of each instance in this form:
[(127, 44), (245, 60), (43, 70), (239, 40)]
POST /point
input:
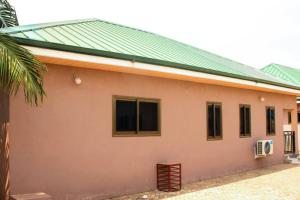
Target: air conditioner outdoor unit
[(264, 148)]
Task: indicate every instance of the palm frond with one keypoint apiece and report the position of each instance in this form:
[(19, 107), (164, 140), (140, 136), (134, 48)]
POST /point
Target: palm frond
[(8, 15), (4, 162), (18, 67)]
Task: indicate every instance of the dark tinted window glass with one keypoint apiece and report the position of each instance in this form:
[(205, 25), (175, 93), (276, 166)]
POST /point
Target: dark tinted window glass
[(247, 121), (270, 114), (268, 120), (218, 120), (289, 117), (210, 110), (242, 120), (214, 120), (126, 115), (148, 116)]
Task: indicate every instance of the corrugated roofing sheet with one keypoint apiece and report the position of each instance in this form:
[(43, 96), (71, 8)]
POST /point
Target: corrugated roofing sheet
[(285, 73), (97, 37)]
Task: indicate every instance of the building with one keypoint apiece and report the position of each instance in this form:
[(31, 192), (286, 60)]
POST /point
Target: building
[(285, 73), (282, 72), (289, 74), (120, 100)]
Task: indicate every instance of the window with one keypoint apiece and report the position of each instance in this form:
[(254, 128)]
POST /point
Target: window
[(126, 115), (245, 120), (214, 120), (289, 117), (148, 116), (135, 116), (270, 119), (298, 117)]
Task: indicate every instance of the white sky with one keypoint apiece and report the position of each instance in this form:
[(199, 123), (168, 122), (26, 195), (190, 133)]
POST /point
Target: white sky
[(254, 32)]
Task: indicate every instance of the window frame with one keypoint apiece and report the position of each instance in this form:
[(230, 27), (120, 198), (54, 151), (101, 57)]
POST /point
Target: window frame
[(267, 131), (210, 138), (245, 135), (136, 133)]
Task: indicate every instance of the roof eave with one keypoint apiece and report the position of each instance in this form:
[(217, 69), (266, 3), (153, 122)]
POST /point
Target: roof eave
[(94, 52)]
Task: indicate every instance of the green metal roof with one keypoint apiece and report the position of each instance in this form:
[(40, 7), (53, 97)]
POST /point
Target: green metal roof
[(97, 37), (289, 74)]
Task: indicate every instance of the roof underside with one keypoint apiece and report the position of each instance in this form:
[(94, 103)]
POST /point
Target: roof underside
[(97, 37)]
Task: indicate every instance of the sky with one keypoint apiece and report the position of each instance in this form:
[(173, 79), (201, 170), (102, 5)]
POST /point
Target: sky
[(253, 32)]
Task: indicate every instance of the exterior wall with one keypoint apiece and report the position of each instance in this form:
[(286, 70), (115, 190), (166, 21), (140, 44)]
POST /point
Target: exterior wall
[(65, 147), (293, 126), (286, 125), (298, 129)]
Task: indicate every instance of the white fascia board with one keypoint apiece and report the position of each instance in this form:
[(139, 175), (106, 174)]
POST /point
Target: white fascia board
[(154, 68)]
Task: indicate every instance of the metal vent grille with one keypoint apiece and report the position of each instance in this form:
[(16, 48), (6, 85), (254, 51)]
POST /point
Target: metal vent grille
[(259, 148)]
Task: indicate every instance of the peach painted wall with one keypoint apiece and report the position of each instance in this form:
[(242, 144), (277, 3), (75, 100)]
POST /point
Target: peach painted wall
[(65, 147), (298, 138), (286, 125)]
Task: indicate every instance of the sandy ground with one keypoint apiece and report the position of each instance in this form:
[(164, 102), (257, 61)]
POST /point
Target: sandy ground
[(278, 182)]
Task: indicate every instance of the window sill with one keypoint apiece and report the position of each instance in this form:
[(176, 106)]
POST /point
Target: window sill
[(245, 136), (214, 138), (273, 134), (136, 134)]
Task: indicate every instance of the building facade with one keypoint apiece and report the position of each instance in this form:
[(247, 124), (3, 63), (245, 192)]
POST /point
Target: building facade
[(107, 121)]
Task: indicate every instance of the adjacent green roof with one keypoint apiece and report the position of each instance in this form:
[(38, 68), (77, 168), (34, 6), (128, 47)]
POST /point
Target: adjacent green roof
[(285, 73), (97, 37)]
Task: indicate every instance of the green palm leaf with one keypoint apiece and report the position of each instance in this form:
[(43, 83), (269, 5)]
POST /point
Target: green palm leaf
[(18, 67), (8, 15)]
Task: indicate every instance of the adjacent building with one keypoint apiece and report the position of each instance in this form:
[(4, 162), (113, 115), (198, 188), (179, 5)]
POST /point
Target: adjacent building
[(289, 74)]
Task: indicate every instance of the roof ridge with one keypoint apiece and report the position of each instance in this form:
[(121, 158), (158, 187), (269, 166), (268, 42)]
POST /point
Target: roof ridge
[(277, 66), (68, 22), (280, 65), (32, 27), (157, 49), (180, 43), (29, 27), (268, 66), (194, 48), (117, 24)]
